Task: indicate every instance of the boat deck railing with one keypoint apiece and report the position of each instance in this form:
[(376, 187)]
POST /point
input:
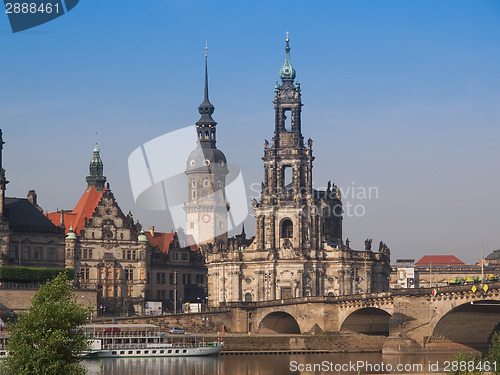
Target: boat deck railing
[(161, 345), (114, 335)]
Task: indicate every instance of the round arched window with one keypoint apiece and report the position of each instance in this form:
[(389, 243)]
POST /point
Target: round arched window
[(287, 229)]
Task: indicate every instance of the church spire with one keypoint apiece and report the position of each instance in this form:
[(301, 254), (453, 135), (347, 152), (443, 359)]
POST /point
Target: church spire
[(96, 178), (287, 72), (206, 124)]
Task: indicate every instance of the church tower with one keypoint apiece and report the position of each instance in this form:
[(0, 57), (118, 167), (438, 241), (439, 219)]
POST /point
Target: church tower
[(291, 214), (96, 177), (3, 180), (206, 169), (297, 251)]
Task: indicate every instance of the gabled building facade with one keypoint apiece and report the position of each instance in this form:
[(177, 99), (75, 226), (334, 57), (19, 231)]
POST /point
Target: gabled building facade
[(104, 246), (178, 271)]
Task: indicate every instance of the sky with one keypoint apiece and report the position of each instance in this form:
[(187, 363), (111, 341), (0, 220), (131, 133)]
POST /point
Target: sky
[(400, 97)]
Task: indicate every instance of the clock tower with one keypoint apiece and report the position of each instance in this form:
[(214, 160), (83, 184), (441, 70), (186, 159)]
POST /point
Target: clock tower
[(206, 169)]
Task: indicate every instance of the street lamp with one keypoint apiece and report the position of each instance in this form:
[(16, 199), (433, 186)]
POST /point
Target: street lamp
[(204, 315)]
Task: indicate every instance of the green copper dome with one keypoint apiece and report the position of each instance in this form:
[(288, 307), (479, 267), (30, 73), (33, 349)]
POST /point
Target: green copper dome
[(142, 237), (287, 72), (71, 235), (95, 178), (96, 158)]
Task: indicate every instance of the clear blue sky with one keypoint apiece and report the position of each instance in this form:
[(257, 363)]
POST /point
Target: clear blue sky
[(400, 95)]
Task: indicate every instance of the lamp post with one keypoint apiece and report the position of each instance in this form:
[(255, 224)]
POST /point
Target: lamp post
[(175, 290), (204, 315)]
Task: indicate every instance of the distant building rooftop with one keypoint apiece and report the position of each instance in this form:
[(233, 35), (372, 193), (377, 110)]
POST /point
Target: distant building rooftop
[(405, 262), (495, 255), (439, 261)]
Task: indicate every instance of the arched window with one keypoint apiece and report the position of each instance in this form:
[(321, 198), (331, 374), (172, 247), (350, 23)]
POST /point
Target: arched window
[(248, 297), (330, 294), (206, 135), (287, 120), (287, 229)]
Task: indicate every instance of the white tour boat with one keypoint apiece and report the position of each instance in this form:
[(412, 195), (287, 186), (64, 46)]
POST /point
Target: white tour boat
[(145, 340)]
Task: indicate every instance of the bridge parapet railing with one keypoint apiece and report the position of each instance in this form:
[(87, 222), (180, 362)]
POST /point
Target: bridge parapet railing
[(356, 297)]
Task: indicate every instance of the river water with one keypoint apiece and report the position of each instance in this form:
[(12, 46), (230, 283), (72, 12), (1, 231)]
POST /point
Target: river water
[(333, 363)]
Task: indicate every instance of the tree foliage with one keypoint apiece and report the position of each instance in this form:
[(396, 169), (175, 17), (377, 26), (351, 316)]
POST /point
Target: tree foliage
[(48, 340), (488, 363), (462, 361), (494, 352)]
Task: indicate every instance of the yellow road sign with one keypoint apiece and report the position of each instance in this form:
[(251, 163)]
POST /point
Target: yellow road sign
[(474, 288)]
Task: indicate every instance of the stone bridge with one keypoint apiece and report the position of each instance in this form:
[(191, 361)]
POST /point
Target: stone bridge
[(453, 314)]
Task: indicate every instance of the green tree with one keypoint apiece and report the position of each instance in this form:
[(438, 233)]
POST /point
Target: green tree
[(463, 364), (494, 353), (48, 340)]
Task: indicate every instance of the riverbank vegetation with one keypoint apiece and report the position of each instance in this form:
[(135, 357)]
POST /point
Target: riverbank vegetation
[(478, 364), (48, 340)]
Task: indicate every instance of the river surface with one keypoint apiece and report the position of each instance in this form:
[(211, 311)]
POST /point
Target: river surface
[(333, 363)]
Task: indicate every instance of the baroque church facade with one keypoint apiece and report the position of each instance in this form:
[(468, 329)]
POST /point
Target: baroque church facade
[(298, 249)]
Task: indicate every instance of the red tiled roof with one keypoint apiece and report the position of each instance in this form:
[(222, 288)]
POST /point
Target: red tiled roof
[(439, 260), (162, 240), (83, 209)]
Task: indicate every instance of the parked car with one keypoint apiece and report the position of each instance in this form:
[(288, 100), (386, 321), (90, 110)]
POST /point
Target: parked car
[(112, 330), (179, 331)]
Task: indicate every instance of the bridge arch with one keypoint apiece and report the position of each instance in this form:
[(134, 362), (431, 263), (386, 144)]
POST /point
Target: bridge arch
[(469, 324), (368, 320), (279, 322)]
